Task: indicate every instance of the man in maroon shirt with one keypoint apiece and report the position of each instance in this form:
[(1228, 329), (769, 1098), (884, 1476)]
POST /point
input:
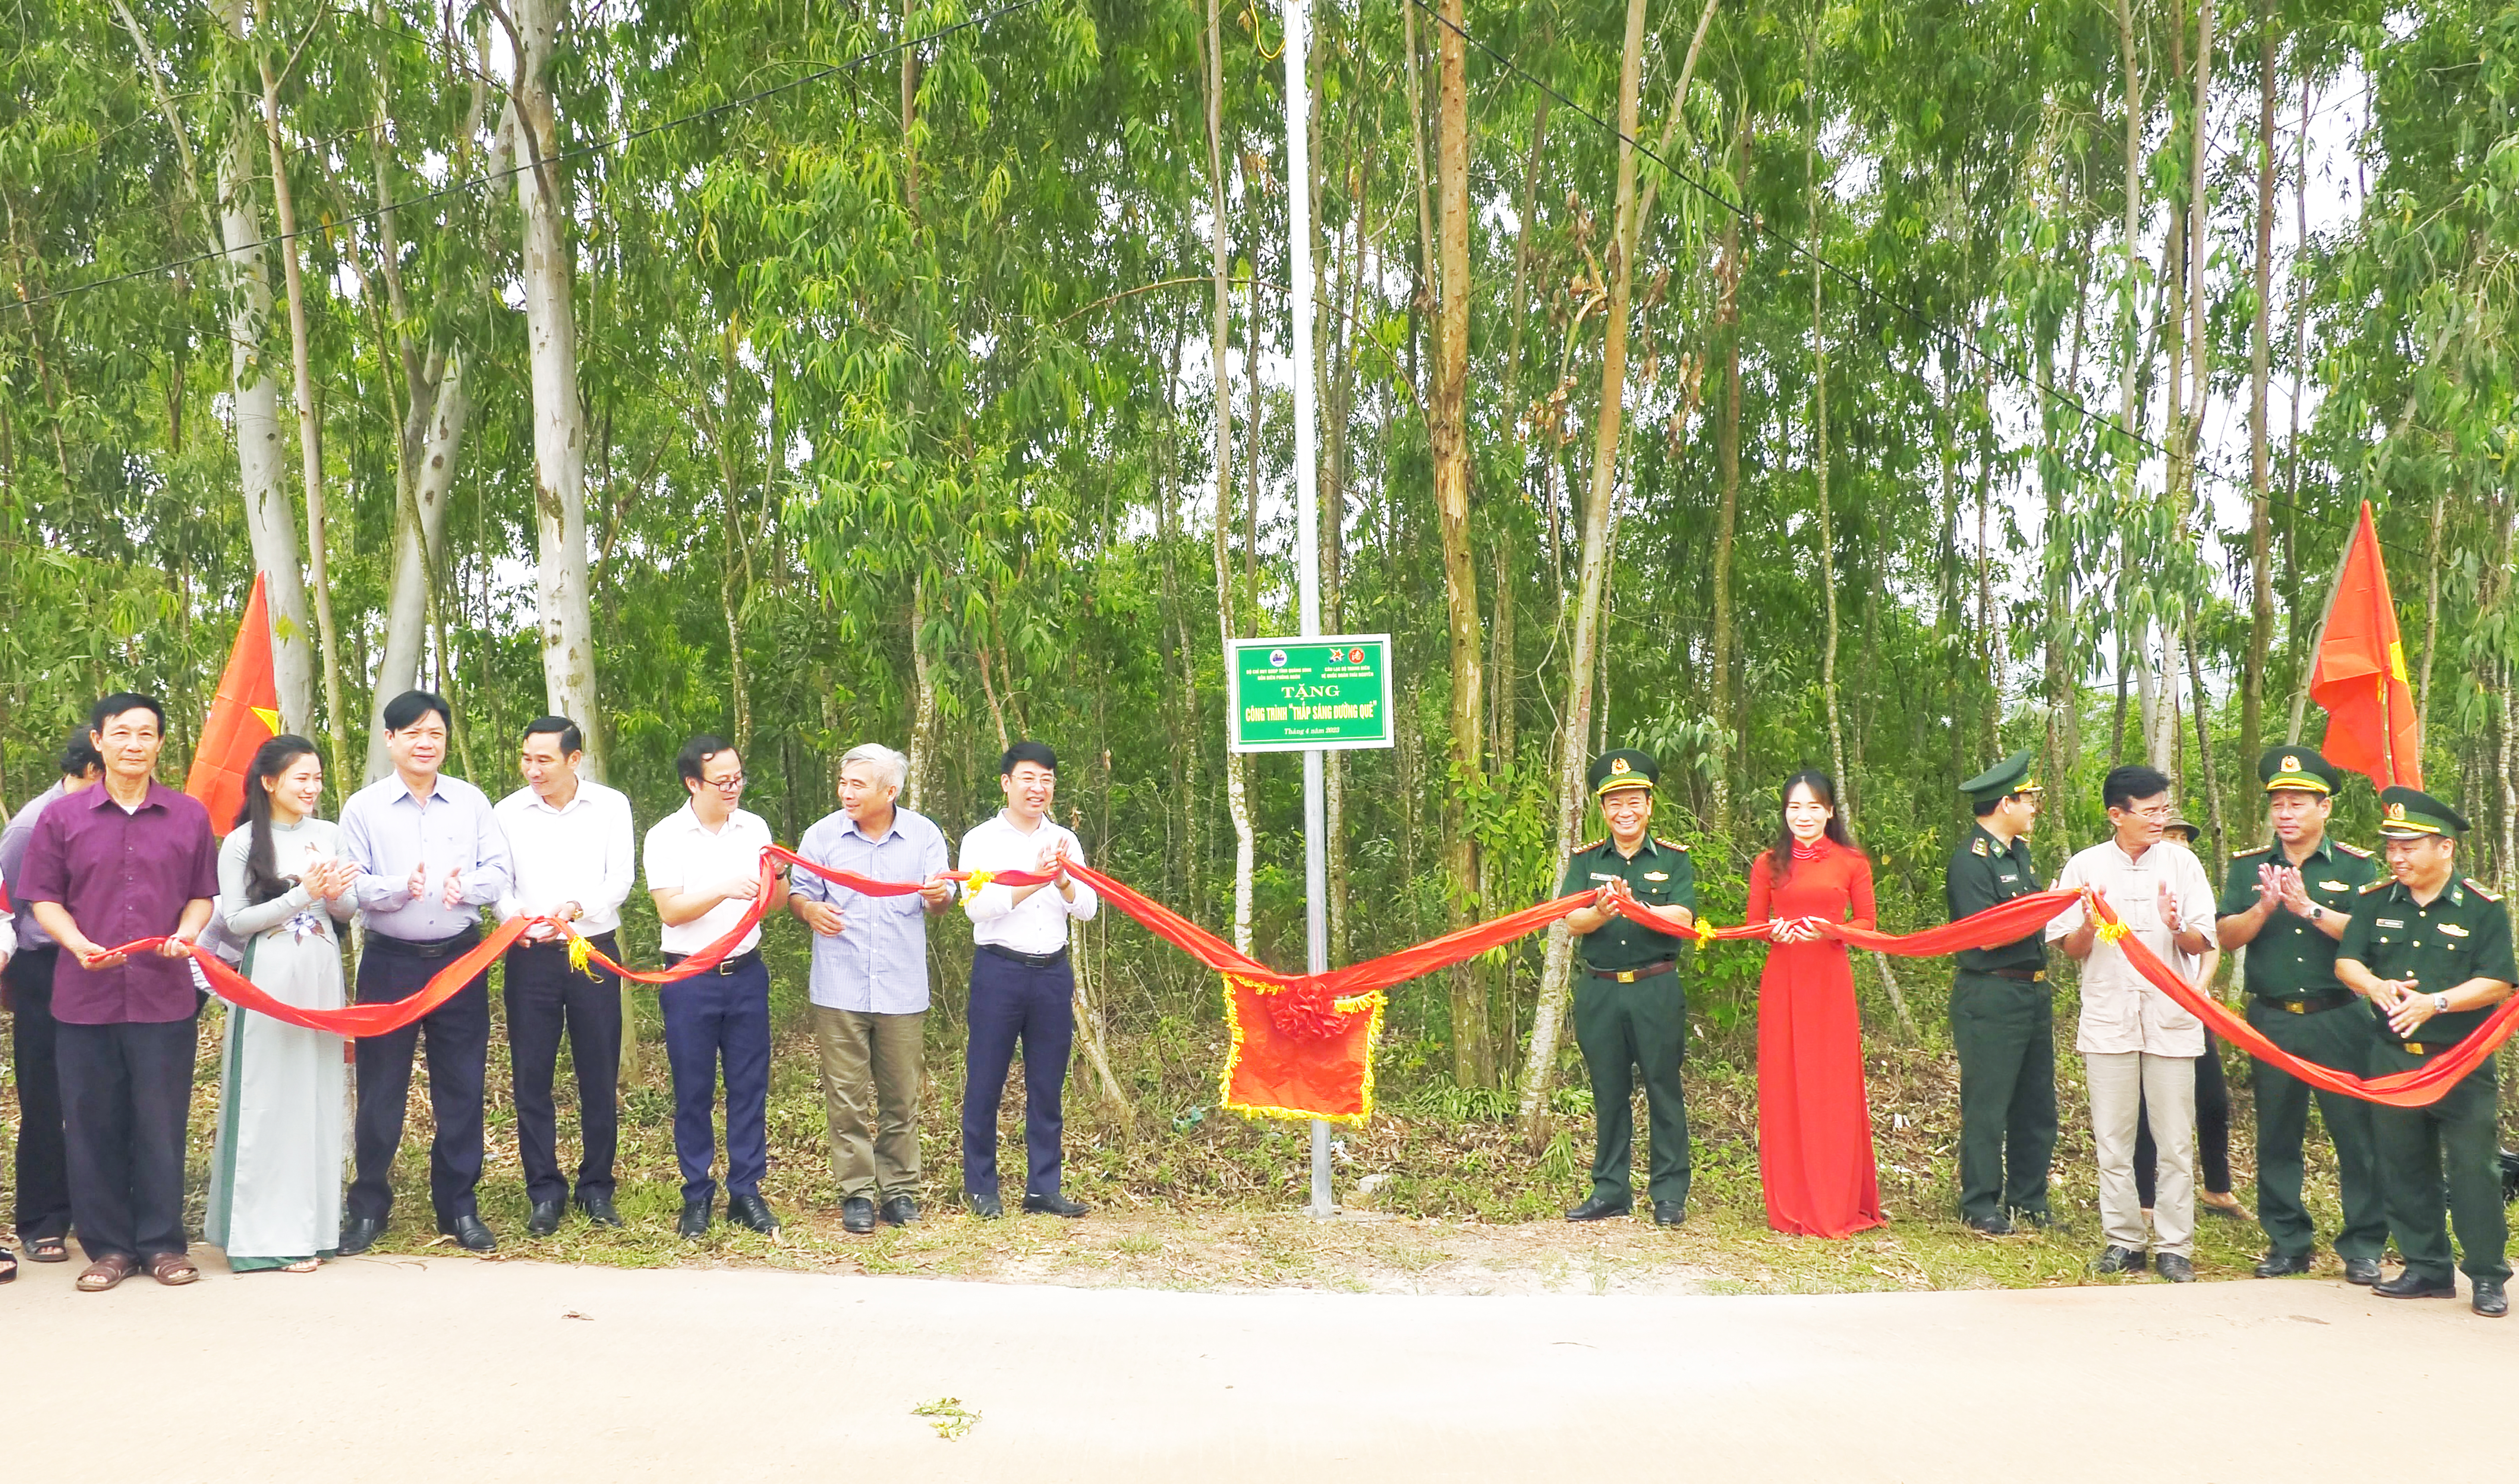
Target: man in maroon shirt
[(130, 860)]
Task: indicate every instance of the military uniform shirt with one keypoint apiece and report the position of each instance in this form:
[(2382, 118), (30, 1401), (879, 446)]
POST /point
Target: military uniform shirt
[(1659, 874), (1986, 873), (2463, 933), (2289, 958)]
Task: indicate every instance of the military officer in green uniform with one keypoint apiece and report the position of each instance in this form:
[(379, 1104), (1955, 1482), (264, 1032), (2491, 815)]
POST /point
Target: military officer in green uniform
[(2288, 903), (2433, 954), (1630, 1011), (2003, 1012)]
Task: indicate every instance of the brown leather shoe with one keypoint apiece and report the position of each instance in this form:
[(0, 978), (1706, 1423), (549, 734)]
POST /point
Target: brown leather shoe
[(106, 1272), (173, 1269)]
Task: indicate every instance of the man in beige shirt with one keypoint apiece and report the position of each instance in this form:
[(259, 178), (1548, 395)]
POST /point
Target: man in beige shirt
[(2137, 1044)]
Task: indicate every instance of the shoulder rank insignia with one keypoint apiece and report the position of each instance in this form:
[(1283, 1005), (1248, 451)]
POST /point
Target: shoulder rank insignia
[(2483, 890), (1591, 845), (1976, 847), (2350, 850), (1668, 844), (2244, 854), (2381, 885)]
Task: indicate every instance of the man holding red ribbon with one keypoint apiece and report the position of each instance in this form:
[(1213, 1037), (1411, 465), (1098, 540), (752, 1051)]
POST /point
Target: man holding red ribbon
[(129, 861)]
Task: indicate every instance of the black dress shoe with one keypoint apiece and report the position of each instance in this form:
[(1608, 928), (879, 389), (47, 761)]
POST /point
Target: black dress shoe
[(598, 1207), (544, 1219), (2174, 1268), (1055, 1206), (469, 1234), (1670, 1213), (2039, 1219), (857, 1215), (751, 1211), (1601, 1208), (2361, 1270), (695, 1220), (2119, 1259), (2491, 1301), (2283, 1265), (900, 1211), (360, 1233), (986, 1207), (2412, 1284), (1991, 1226)]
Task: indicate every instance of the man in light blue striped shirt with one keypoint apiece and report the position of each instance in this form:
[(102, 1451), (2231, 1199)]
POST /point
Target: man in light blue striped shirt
[(870, 980)]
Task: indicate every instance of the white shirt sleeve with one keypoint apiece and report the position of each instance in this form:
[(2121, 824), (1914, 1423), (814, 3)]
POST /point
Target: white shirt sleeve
[(620, 859), (1088, 901), (2070, 878)]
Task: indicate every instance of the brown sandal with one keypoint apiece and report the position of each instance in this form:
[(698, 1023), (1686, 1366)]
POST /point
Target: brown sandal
[(106, 1272), (173, 1269)]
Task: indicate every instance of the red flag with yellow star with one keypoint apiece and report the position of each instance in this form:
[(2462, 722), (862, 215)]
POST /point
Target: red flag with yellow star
[(243, 715), (2372, 726)]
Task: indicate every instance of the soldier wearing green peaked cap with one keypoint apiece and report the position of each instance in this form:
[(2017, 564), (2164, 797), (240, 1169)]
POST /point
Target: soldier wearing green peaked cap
[(1630, 1011), (2002, 1012), (2432, 954), (2288, 903)]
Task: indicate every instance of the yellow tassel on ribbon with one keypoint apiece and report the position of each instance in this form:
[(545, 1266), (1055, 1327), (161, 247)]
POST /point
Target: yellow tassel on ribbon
[(978, 879), (2110, 932), (1704, 931), (578, 949)]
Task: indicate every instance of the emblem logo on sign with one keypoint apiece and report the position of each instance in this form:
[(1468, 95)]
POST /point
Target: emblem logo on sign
[(1277, 658)]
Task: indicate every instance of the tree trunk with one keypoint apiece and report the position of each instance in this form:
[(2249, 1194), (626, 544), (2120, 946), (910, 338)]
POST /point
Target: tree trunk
[(2260, 610), (310, 431), (1237, 801), (922, 706), (1474, 1060), (562, 579), (1727, 458), (1557, 965)]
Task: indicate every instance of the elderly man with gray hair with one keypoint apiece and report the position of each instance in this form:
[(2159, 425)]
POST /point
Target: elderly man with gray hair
[(870, 980)]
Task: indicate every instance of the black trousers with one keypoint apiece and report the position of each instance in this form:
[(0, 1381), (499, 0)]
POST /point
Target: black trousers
[(546, 998), (127, 1098), (458, 1033), (43, 1171), (1035, 1005), (2212, 1130)]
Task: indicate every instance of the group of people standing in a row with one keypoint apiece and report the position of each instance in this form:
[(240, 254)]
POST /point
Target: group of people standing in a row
[(2348, 966), (104, 1042)]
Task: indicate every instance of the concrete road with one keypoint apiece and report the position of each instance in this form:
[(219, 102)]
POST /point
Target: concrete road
[(453, 1370)]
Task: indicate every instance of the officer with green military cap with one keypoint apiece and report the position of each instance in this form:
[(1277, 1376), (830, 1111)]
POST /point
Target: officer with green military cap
[(2432, 954), (2002, 1012), (1630, 1011), (2288, 903)]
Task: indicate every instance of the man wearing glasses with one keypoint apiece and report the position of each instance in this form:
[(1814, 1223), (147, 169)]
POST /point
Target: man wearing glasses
[(703, 865), (2138, 1046)]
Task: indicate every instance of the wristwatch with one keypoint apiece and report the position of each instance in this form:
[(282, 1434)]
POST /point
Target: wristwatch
[(2316, 912), (2440, 1004)]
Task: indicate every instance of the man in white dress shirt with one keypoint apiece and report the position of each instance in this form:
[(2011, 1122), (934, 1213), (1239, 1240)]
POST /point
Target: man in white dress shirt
[(704, 871), (2138, 1046), (1023, 989), (574, 861), (869, 981)]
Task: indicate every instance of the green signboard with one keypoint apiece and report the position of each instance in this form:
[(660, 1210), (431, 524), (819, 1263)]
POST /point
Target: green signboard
[(1291, 695)]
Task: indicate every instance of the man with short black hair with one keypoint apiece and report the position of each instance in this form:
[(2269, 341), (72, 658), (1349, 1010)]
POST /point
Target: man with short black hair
[(869, 981), (2002, 1012), (703, 865), (574, 863), (128, 860), (430, 856), (1023, 989), (43, 1212), (2137, 1045)]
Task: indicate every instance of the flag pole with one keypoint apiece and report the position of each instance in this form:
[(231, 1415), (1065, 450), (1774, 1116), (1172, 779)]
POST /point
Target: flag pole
[(2300, 695)]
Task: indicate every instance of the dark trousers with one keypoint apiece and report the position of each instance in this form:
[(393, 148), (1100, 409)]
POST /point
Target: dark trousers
[(1035, 1005), (2212, 1130), (43, 1172), (1626, 1031), (458, 1035), (127, 1098), (2005, 1034), (546, 997), (720, 1018), (2442, 1164), (2341, 1038)]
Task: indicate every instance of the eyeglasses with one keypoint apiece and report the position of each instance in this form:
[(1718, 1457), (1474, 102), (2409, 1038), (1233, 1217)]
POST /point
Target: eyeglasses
[(2158, 813), (725, 785)]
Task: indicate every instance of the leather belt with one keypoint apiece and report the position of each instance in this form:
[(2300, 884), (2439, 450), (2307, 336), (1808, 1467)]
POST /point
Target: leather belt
[(2018, 976), (2313, 1004), (424, 948), (1033, 960), (732, 964), (1631, 976)]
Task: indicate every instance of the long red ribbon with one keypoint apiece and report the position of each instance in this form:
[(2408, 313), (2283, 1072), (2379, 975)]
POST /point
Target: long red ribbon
[(2420, 1088)]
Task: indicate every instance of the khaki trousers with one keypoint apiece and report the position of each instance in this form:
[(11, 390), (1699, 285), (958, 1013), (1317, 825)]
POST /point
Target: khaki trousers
[(871, 1076), (2121, 1083)]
